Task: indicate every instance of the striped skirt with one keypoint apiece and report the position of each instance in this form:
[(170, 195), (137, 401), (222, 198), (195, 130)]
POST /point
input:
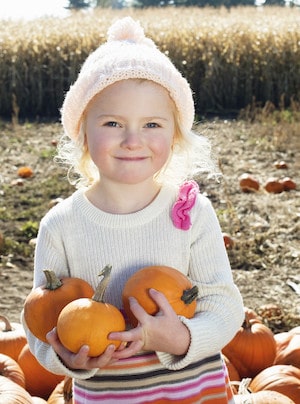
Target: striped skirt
[(142, 379)]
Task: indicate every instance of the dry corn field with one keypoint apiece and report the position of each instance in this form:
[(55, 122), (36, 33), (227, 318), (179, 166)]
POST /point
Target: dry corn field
[(229, 56)]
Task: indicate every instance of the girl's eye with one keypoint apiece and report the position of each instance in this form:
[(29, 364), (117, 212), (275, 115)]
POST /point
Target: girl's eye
[(111, 124), (152, 125)]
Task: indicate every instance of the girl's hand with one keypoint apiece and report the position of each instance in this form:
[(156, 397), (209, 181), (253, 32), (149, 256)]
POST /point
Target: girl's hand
[(163, 332), (81, 360)]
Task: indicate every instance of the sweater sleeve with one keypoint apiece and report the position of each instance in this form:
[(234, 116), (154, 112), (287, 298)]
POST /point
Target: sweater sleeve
[(50, 254), (219, 312)]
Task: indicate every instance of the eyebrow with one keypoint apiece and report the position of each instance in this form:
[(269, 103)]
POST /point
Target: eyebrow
[(146, 118)]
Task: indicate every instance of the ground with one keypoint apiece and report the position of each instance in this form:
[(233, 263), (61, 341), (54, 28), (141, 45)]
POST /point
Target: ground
[(265, 227)]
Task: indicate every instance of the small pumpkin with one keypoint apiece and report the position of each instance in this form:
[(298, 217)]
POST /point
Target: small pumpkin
[(176, 287), (288, 184), (25, 172), (38, 380), (282, 378), (11, 369), (13, 393), (274, 186), (248, 183), (12, 338), (50, 298), (252, 349), (281, 165), (89, 321)]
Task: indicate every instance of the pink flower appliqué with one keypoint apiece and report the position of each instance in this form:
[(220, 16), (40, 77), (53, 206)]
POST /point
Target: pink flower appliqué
[(186, 200)]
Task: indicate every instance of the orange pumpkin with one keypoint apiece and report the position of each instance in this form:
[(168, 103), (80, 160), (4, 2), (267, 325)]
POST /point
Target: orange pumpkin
[(50, 299), (287, 349), (273, 185), (11, 392), (248, 183), (38, 380), (252, 349), (282, 378), (25, 172), (89, 321), (63, 393), (288, 184), (176, 287), (12, 338), (11, 369)]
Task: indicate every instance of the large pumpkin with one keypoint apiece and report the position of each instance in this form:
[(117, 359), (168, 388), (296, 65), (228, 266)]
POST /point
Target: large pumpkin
[(89, 321), (282, 378), (43, 304), (13, 393), (12, 338), (177, 288), (38, 380), (11, 369), (252, 349)]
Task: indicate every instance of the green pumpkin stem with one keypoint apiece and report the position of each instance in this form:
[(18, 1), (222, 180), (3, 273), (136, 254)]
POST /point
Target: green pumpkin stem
[(189, 295), (52, 281), (100, 290)]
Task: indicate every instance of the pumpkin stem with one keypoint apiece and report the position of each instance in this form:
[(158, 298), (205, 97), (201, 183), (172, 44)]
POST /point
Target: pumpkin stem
[(100, 290), (189, 295), (8, 326), (52, 281)]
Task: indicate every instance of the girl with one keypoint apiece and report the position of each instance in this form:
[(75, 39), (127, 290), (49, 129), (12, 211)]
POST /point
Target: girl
[(128, 120)]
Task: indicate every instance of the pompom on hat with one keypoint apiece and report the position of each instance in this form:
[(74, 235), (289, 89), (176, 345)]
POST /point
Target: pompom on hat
[(127, 54)]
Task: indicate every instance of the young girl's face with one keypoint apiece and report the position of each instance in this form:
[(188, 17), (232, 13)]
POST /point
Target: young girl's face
[(130, 129)]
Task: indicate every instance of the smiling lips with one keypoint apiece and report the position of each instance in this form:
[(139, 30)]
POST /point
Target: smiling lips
[(137, 158)]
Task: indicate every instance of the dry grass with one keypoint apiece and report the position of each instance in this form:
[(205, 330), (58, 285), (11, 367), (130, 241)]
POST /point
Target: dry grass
[(229, 57)]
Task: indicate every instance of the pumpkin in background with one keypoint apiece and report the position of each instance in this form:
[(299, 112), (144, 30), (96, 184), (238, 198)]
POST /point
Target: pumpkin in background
[(12, 338), (63, 393), (25, 172), (11, 369), (13, 393), (263, 397), (248, 183), (282, 378), (287, 349), (252, 349), (176, 287), (288, 184), (89, 321), (38, 380), (274, 186), (43, 304)]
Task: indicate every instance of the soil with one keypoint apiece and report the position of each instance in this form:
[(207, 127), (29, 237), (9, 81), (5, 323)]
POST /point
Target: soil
[(265, 227)]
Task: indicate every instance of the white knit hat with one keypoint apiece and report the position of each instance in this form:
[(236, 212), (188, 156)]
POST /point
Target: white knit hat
[(127, 54)]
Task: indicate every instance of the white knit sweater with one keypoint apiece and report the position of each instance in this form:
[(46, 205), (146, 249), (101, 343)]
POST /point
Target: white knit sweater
[(77, 239)]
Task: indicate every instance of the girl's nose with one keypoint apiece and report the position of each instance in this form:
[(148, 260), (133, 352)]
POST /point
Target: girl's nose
[(132, 139)]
